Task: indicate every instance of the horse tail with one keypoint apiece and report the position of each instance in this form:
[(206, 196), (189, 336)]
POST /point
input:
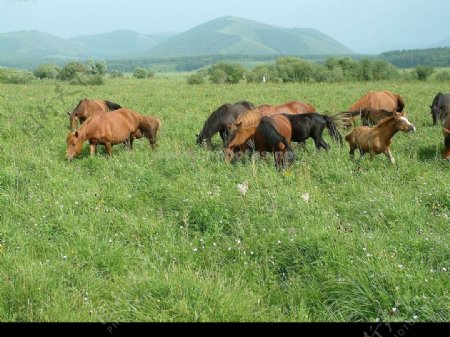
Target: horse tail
[(149, 126), (273, 137), (400, 103), (331, 122), (348, 117), (112, 106)]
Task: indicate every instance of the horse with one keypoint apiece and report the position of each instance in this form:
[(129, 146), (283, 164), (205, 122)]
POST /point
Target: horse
[(377, 139), (370, 117), (273, 134), (312, 125), (241, 132), (292, 107), (379, 100), (217, 121), (110, 128), (440, 107), (446, 132), (87, 108)]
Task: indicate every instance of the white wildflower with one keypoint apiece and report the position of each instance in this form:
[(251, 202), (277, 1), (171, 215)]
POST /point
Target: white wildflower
[(242, 188)]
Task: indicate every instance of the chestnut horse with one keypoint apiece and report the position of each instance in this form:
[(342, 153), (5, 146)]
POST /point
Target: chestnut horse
[(241, 132), (446, 132), (111, 128), (377, 139), (87, 108), (379, 100), (292, 107)]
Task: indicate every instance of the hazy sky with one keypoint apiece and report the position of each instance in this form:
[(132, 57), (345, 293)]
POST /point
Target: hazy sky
[(361, 25)]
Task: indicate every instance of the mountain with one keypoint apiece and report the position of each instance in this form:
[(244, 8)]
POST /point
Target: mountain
[(115, 44), (36, 44), (232, 35)]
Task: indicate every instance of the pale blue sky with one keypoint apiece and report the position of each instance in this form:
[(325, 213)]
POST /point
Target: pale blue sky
[(362, 25)]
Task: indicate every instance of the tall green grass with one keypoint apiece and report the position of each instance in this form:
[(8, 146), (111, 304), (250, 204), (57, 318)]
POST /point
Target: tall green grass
[(164, 235)]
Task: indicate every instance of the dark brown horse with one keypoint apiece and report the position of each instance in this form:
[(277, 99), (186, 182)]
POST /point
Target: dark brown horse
[(218, 120), (440, 107), (87, 108), (378, 100), (446, 132), (312, 125), (370, 117), (110, 128), (377, 139), (292, 107), (273, 134)]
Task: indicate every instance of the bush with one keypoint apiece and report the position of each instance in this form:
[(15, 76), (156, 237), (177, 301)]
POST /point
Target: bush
[(139, 73), (48, 70), (443, 76), (423, 72), (87, 79), (197, 78), (226, 73), (115, 74), (71, 70), (96, 67), (12, 76)]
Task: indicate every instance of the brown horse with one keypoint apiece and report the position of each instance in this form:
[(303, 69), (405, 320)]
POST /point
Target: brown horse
[(273, 134), (87, 108), (241, 132), (446, 132), (370, 117), (379, 100), (111, 128), (377, 139), (292, 107)]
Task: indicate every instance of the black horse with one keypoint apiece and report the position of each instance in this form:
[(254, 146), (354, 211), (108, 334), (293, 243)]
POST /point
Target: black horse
[(440, 107), (216, 122), (312, 125)]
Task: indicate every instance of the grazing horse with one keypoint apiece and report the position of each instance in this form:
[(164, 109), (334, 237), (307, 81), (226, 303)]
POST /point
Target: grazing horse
[(312, 125), (241, 132), (293, 107), (273, 134), (87, 108), (111, 128), (377, 139), (446, 132), (217, 121), (379, 100), (440, 107)]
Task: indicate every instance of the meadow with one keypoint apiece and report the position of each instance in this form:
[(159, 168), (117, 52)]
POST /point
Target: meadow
[(165, 235)]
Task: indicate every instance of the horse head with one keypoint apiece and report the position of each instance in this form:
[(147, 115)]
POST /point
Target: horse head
[(402, 123), (74, 145)]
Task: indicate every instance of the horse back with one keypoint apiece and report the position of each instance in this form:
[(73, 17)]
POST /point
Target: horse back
[(114, 127)]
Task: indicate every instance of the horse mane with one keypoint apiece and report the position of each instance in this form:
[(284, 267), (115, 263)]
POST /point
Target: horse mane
[(112, 106), (250, 118)]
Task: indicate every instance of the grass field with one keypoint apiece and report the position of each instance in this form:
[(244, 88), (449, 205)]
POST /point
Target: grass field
[(164, 235)]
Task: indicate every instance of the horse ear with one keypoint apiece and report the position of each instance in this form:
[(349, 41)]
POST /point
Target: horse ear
[(238, 124), (76, 134)]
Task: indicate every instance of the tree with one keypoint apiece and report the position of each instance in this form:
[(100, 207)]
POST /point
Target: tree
[(226, 73), (47, 70), (96, 67), (71, 70), (423, 72), (139, 73)]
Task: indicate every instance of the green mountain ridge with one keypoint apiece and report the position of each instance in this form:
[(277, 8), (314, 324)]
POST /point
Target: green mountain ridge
[(232, 35)]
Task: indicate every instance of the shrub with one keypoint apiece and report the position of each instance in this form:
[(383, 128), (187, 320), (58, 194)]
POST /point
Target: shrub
[(12, 76), (196, 78), (46, 71), (71, 70), (423, 72), (139, 73), (115, 74), (226, 73)]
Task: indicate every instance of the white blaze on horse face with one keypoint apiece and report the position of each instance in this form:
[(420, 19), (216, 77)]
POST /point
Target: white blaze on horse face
[(411, 127)]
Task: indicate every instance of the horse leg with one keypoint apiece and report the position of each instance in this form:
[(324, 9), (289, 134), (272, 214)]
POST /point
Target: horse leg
[(108, 148), (388, 154), (92, 148), (130, 142)]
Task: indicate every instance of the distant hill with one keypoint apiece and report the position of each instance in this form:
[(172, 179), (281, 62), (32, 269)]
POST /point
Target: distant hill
[(232, 36), (433, 57), (116, 43), (36, 44)]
